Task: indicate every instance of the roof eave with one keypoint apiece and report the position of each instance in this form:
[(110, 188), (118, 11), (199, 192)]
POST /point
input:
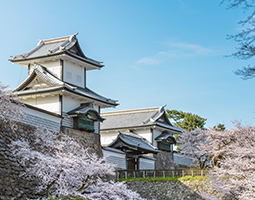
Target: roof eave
[(119, 138), (137, 127), (20, 61), (62, 90), (109, 103)]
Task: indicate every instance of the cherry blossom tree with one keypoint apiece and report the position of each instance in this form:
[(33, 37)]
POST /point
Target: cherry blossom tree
[(66, 168), (10, 108), (59, 162), (233, 154), (190, 145)]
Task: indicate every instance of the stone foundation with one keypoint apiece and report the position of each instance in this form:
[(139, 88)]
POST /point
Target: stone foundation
[(164, 160), (168, 190), (14, 186), (86, 139)]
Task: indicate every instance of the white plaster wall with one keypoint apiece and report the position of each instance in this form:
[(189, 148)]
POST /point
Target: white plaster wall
[(145, 133), (156, 133), (75, 71), (96, 127), (50, 103), (108, 137), (53, 66), (40, 119), (70, 103), (42, 115), (146, 164), (118, 159)]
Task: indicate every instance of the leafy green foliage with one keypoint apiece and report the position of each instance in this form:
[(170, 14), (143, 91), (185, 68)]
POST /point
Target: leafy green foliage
[(220, 127), (187, 121)]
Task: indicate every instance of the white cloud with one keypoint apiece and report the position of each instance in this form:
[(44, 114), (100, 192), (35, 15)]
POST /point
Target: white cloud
[(176, 50), (153, 60), (192, 49)]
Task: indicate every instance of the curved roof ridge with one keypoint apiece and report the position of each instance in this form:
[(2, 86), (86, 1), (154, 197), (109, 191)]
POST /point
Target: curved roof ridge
[(156, 115), (41, 71), (84, 109), (142, 140), (106, 99), (48, 41), (33, 50), (161, 111), (31, 76), (58, 39), (130, 111)]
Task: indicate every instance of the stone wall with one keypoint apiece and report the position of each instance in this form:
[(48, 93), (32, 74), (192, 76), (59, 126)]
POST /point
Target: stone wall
[(39, 121), (174, 190), (164, 160), (12, 184), (86, 139), (167, 190)]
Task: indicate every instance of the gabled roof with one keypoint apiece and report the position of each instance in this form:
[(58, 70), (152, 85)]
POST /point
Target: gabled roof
[(132, 143), (129, 119), (113, 150), (41, 75), (166, 136), (42, 80), (86, 109), (51, 47)]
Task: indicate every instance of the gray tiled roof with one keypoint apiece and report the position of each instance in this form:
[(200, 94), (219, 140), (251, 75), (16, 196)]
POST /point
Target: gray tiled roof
[(51, 47), (113, 149), (135, 141), (175, 128), (57, 84), (43, 73), (147, 157), (137, 118), (166, 135), (84, 109)]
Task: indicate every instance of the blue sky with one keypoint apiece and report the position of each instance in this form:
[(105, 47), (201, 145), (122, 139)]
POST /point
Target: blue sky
[(155, 52)]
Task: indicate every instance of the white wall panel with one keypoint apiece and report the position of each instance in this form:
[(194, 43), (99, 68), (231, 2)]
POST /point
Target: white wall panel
[(118, 159), (145, 133), (108, 137), (146, 164), (51, 104), (73, 74), (69, 103), (53, 66), (156, 133)]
